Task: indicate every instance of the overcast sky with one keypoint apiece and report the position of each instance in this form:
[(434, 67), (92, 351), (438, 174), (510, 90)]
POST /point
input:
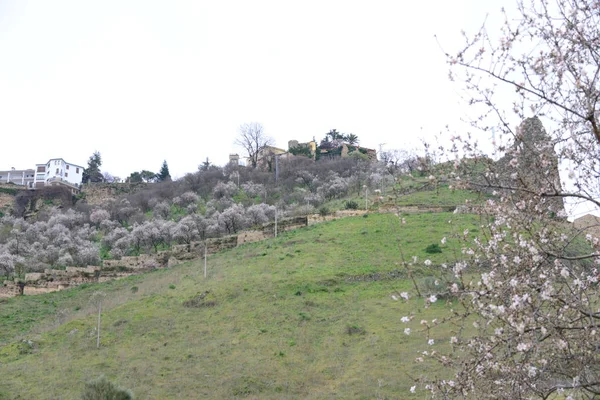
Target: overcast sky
[(146, 81)]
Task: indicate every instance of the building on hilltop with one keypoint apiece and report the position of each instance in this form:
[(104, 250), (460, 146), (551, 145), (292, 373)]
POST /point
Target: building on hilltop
[(308, 149), (234, 159), (24, 177), (55, 172), (266, 157), (59, 172), (328, 149)]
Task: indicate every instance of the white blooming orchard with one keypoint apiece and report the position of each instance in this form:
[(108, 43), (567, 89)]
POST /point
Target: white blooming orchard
[(527, 305)]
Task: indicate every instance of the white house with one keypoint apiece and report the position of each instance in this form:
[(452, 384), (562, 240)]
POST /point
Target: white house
[(17, 176), (60, 171)]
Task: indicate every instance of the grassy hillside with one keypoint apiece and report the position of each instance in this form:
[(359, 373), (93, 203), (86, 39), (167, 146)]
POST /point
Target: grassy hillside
[(305, 315)]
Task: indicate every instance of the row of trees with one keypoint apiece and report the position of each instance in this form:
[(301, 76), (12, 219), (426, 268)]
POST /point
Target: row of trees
[(147, 176), (93, 174)]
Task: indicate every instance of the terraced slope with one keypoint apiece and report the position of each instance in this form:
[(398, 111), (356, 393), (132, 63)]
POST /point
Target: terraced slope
[(306, 315)]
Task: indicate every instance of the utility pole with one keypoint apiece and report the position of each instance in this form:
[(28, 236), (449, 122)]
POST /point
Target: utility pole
[(277, 167)]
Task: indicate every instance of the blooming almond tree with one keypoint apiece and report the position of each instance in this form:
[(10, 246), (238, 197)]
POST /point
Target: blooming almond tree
[(527, 311)]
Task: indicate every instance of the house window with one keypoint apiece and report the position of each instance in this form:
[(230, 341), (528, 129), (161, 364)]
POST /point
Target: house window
[(66, 174), (76, 170), (67, 166), (56, 171)]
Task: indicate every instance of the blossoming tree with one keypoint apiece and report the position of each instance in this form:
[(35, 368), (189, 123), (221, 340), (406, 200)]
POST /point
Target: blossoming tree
[(526, 306)]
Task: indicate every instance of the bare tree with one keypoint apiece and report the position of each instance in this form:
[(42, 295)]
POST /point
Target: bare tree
[(253, 139)]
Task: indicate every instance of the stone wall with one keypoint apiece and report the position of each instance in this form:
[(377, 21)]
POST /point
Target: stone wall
[(52, 280), (195, 250), (141, 262), (284, 225), (11, 289), (251, 237), (101, 193)]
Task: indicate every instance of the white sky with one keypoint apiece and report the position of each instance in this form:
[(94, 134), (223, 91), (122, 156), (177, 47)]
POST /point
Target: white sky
[(144, 81)]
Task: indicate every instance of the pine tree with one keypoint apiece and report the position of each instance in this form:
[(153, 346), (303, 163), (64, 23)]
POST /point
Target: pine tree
[(92, 172), (164, 174)]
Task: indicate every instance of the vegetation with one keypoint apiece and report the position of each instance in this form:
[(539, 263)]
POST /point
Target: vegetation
[(11, 191), (92, 172), (163, 175), (103, 389), (209, 203), (253, 139), (308, 312), (142, 176), (526, 318), (501, 304)]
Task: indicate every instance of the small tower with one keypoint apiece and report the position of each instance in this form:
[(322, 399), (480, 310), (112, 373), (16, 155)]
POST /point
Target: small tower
[(234, 159)]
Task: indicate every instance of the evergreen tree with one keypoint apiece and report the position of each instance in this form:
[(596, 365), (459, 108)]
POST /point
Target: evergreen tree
[(92, 172), (205, 166), (149, 176), (135, 177), (164, 174)]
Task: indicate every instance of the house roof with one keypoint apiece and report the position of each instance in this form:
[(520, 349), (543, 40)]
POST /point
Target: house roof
[(66, 162)]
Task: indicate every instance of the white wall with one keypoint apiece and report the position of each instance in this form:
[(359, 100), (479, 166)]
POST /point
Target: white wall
[(58, 168)]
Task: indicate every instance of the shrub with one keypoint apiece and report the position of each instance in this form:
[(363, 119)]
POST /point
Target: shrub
[(433, 248), (205, 299), (103, 389), (438, 287), (323, 211), (355, 330), (351, 205)]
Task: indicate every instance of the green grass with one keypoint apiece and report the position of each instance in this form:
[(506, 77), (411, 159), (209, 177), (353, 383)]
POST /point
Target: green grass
[(305, 315), (443, 196), (10, 191)]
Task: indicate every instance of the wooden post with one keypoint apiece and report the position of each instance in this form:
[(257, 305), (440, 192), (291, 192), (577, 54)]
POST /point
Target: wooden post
[(205, 251), (99, 314)]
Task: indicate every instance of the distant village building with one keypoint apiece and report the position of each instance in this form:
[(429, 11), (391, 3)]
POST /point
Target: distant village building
[(24, 177), (58, 171), (266, 157), (308, 149), (55, 172), (234, 159), (330, 149)]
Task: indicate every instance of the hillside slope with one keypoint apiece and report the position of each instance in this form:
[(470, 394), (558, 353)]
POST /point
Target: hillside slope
[(306, 315)]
